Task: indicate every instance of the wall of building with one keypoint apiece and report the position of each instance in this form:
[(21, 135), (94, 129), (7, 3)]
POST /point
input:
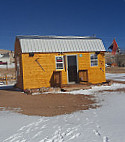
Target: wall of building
[(35, 77), (18, 55), (7, 56)]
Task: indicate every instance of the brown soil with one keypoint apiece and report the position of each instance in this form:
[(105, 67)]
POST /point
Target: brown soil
[(45, 104)]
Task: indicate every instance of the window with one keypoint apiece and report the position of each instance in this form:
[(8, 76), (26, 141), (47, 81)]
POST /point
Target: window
[(59, 62), (94, 59)]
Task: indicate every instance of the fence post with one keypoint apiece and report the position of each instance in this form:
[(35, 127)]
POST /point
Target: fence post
[(6, 80)]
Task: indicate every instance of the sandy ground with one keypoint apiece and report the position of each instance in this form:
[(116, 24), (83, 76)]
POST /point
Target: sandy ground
[(45, 104)]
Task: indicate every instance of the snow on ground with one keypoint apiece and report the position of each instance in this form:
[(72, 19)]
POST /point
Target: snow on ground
[(104, 124), (95, 89), (10, 122), (116, 77)]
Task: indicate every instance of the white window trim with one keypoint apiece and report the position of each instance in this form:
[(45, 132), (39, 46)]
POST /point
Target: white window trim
[(93, 60), (59, 62)]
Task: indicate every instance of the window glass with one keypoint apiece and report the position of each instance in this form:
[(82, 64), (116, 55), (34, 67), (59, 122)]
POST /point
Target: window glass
[(59, 62), (94, 60), (59, 59)]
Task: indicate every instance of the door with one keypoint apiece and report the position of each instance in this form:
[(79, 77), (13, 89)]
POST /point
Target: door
[(72, 68), (83, 75), (57, 79)]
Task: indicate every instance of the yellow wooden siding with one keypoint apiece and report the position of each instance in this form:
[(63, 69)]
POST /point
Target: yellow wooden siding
[(35, 77), (32, 71), (97, 73)]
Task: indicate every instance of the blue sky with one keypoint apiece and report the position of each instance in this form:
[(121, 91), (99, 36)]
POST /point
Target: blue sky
[(104, 18)]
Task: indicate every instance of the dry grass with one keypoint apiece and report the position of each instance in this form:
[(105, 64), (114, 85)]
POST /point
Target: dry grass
[(117, 90), (7, 71), (115, 70)]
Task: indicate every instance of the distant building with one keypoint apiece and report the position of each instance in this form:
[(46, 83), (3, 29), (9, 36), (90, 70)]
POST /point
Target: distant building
[(6, 57)]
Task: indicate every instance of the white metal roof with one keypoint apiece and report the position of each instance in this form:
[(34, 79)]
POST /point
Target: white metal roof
[(60, 44)]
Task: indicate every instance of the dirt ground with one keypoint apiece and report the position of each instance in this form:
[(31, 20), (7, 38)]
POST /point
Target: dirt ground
[(45, 104)]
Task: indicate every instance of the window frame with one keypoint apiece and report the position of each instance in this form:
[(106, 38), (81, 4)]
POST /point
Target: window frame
[(93, 60), (59, 62)]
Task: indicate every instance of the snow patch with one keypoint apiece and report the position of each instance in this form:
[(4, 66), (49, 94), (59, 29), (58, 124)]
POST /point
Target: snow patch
[(116, 77), (95, 89)]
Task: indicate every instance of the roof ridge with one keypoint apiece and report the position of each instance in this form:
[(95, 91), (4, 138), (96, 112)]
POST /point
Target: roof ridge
[(53, 37)]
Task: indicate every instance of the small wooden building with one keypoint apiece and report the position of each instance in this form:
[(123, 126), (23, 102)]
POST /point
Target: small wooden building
[(44, 61)]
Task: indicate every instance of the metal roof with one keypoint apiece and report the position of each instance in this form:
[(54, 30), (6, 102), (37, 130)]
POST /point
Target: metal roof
[(60, 44)]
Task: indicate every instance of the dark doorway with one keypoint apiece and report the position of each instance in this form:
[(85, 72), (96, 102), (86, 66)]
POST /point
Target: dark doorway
[(72, 68)]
